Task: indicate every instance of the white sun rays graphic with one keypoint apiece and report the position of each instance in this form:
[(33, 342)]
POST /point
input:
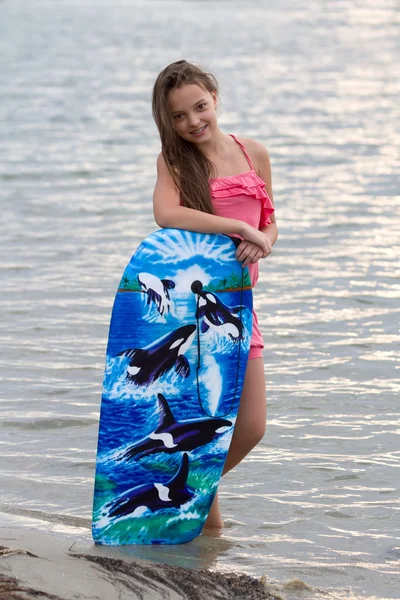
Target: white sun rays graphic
[(175, 245), (186, 277)]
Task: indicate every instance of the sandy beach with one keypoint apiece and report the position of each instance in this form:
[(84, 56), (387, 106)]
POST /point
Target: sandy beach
[(39, 565)]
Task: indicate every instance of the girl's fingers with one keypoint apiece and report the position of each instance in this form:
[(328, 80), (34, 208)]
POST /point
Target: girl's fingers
[(248, 252), (241, 251), (243, 257), (257, 257), (268, 251), (250, 257)]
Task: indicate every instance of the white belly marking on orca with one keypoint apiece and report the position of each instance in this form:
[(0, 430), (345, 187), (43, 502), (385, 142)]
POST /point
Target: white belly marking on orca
[(163, 492), (222, 429), (166, 439), (133, 370), (176, 343), (139, 511), (230, 328)]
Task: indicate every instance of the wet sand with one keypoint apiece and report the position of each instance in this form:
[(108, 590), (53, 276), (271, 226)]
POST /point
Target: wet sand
[(39, 565)]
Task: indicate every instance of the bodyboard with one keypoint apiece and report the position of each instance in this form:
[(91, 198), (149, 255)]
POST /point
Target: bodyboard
[(176, 358)]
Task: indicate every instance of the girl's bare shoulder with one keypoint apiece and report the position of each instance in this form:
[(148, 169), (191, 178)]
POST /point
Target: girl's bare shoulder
[(163, 169), (254, 148), (161, 164), (259, 157)]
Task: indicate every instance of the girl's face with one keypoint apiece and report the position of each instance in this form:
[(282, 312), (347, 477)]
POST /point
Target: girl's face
[(193, 112)]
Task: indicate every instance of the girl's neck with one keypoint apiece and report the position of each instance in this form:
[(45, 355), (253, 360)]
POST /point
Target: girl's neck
[(218, 145)]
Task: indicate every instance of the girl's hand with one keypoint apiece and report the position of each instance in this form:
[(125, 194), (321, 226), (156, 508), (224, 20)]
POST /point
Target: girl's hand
[(247, 253), (256, 238), (251, 234)]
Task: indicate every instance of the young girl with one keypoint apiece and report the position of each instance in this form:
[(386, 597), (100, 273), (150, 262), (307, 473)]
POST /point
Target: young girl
[(211, 182)]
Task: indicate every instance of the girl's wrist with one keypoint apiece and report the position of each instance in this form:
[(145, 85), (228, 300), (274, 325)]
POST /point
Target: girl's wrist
[(270, 233), (266, 235), (242, 228)]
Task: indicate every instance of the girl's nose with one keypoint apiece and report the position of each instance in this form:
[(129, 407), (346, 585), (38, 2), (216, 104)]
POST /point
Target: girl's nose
[(194, 120)]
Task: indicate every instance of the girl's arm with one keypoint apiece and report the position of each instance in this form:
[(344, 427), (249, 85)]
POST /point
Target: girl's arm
[(264, 171), (248, 252), (169, 213)]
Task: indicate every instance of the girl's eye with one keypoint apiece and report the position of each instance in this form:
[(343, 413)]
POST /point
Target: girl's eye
[(177, 117), (202, 105)]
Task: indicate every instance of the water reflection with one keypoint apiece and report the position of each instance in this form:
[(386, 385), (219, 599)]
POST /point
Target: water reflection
[(202, 553), (319, 87)]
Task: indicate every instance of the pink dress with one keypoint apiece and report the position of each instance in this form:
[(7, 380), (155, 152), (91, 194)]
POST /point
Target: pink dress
[(244, 197)]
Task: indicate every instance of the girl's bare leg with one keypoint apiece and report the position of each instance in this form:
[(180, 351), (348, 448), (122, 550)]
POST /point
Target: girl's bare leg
[(249, 427)]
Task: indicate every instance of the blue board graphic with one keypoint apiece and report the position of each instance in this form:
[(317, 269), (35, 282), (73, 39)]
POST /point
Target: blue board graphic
[(176, 358)]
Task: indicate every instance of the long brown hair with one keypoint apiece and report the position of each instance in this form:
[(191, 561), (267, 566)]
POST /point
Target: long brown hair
[(189, 167)]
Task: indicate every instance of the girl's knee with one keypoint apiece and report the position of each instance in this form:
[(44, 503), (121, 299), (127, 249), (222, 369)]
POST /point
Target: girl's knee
[(253, 434)]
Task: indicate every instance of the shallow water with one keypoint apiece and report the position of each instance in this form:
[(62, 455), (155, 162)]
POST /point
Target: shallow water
[(318, 84)]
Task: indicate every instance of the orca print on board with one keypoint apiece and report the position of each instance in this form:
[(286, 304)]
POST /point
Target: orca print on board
[(212, 312), (157, 291), (149, 363), (176, 436), (154, 496), (171, 390)]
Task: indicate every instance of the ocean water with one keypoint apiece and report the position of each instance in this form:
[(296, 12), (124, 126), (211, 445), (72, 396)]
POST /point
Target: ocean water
[(318, 84)]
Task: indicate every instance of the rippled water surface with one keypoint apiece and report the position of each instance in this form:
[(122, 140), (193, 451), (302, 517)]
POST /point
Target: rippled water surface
[(318, 83)]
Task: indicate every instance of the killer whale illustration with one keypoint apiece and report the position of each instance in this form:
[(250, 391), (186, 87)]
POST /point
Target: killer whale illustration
[(174, 436), (157, 290), (154, 496), (149, 363), (217, 315)]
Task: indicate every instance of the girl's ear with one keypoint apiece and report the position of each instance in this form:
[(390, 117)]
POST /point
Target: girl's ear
[(215, 98)]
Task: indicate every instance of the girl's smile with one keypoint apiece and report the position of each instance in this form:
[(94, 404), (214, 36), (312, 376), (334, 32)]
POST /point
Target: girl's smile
[(200, 131)]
